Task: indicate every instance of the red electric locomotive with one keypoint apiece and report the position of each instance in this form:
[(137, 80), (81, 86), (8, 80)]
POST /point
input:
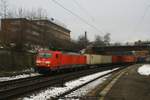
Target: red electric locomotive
[(48, 60)]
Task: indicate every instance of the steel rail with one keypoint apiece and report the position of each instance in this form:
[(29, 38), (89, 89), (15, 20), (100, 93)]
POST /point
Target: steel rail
[(16, 88), (62, 96)]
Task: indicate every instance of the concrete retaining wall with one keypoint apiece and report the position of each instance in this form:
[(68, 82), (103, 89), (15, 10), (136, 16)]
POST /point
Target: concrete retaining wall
[(11, 60)]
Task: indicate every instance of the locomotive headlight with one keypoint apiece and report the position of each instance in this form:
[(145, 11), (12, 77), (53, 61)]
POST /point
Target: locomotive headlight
[(38, 61), (47, 62)]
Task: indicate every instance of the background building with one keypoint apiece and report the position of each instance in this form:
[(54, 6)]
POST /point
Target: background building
[(20, 32)]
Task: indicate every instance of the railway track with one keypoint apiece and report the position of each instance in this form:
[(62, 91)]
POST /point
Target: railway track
[(62, 96), (17, 87)]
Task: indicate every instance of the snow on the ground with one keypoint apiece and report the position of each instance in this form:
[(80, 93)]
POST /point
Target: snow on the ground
[(84, 90), (17, 77), (54, 91), (144, 70)]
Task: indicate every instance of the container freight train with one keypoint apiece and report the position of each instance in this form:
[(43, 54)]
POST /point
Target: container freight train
[(47, 60)]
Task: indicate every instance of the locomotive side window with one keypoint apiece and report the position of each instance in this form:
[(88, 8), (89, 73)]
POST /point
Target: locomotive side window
[(45, 55), (56, 55)]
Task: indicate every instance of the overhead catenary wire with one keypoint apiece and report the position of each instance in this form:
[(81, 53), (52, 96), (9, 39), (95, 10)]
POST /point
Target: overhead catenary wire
[(83, 9), (80, 18), (142, 18)]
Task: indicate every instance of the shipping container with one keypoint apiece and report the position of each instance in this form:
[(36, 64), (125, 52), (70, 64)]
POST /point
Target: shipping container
[(98, 59), (148, 59), (141, 59), (93, 59), (106, 59), (128, 59), (116, 59), (141, 53)]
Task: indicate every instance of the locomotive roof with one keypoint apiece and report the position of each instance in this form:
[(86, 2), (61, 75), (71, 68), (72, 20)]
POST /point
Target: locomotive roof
[(70, 53)]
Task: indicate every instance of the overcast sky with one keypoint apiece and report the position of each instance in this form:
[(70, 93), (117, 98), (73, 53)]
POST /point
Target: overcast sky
[(122, 18)]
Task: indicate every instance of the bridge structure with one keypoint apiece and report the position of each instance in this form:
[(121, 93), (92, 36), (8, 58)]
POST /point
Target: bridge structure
[(103, 49)]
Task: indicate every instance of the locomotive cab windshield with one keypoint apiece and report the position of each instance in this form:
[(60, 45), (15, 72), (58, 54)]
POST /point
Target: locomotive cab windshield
[(45, 55)]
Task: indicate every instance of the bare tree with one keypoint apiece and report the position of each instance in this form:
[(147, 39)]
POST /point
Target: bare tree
[(117, 44), (21, 13), (3, 8), (41, 14), (11, 14), (36, 14), (82, 42), (98, 41), (107, 39)]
